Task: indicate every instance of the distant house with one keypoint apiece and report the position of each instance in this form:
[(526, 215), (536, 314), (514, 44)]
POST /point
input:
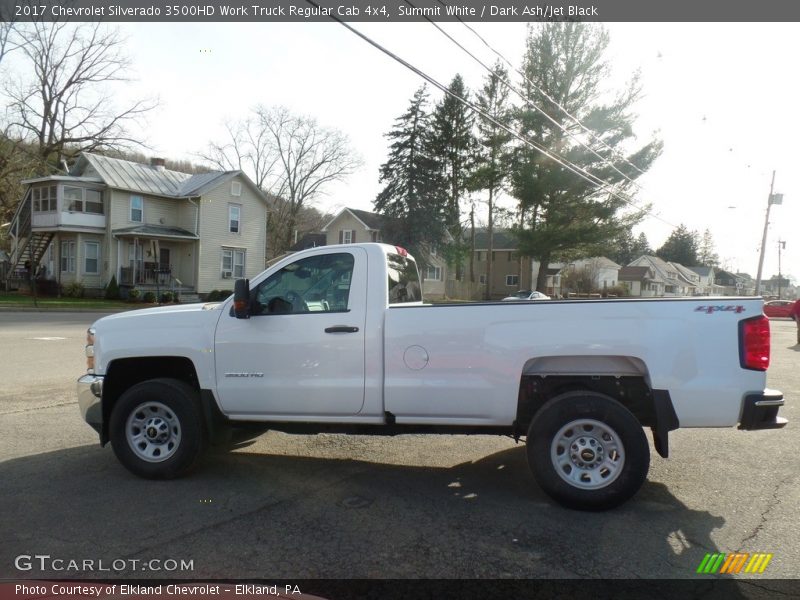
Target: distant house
[(706, 285), (641, 281), (733, 284), (353, 226), (676, 279), (145, 225), (604, 271), (510, 272)]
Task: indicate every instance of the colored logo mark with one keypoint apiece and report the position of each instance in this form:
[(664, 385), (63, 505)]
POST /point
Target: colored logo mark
[(734, 563)]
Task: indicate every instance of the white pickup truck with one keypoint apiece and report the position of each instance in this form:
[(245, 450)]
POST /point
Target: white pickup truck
[(338, 339)]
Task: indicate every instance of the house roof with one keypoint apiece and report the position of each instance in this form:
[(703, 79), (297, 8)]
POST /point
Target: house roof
[(146, 179), (703, 271), (601, 262), (634, 274), (685, 273), (503, 239), (368, 219), (160, 231), (310, 240), (131, 176)]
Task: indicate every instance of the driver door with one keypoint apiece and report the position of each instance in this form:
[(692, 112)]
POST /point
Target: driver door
[(302, 350)]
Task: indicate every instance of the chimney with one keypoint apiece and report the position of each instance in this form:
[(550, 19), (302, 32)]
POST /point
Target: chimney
[(158, 163)]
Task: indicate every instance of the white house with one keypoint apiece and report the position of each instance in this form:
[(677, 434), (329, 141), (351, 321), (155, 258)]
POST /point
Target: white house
[(146, 225)]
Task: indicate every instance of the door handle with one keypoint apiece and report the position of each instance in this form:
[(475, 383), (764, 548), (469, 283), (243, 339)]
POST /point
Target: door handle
[(341, 329)]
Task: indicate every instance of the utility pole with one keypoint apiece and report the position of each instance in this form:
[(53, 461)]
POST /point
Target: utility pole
[(772, 199), (781, 246)]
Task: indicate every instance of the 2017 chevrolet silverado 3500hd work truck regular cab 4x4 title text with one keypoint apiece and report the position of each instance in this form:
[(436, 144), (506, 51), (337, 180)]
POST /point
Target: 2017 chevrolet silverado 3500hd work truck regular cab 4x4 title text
[(337, 339)]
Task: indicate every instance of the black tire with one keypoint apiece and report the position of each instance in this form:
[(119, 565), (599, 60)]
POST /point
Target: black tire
[(156, 429), (587, 451)]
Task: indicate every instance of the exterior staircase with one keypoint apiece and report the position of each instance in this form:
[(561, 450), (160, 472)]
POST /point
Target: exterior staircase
[(27, 246)]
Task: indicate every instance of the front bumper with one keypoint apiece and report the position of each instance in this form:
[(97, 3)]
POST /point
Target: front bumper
[(90, 397), (760, 411)]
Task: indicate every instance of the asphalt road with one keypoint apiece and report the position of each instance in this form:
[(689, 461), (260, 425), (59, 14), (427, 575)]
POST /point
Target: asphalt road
[(332, 506)]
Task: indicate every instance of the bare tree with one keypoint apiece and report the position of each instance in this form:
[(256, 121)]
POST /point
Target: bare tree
[(7, 40), (292, 158), (66, 106)]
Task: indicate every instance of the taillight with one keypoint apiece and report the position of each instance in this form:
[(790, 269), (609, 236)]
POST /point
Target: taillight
[(754, 343)]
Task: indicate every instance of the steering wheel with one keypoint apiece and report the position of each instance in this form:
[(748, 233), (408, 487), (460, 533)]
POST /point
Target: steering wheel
[(298, 304)]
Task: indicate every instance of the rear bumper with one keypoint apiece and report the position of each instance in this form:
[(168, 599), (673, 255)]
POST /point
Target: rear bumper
[(90, 395), (760, 411)]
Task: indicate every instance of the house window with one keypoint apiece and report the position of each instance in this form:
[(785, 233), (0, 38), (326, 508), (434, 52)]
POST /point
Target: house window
[(78, 199), (137, 209), (434, 250), (482, 279), (44, 199), (433, 274), (347, 236), (67, 257), (512, 256), (234, 218), (232, 263), (91, 257), (236, 188), (479, 257), (512, 280), (94, 202)]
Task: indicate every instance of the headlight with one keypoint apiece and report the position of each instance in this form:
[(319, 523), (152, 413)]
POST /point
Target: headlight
[(90, 350)]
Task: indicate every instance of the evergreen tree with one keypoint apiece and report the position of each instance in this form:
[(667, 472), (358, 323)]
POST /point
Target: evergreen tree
[(560, 212), (491, 167), (627, 248), (680, 247), (706, 254), (412, 197), (453, 143)]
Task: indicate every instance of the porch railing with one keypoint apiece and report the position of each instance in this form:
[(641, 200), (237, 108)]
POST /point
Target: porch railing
[(145, 273)]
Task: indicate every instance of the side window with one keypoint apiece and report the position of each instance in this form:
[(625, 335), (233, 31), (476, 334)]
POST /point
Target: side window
[(403, 280), (310, 285)]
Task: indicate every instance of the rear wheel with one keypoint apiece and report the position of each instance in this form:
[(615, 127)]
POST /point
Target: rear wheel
[(587, 451), (156, 429)]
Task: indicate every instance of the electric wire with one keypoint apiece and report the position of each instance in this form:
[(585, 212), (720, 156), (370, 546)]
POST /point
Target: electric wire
[(541, 91), (599, 184), (529, 102)]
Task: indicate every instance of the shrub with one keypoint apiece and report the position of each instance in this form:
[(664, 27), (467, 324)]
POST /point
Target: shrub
[(112, 289), (166, 298), (149, 297), (133, 294), (47, 287), (74, 290)]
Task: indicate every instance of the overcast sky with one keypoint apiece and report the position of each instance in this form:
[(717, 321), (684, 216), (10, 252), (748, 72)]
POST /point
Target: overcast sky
[(722, 97)]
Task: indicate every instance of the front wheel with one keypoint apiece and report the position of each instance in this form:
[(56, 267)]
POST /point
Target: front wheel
[(156, 429), (587, 451)]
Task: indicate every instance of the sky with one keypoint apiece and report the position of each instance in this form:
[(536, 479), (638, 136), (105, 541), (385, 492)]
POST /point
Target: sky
[(721, 96)]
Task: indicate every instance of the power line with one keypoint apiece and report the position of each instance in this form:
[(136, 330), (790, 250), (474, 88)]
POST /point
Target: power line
[(510, 86), (541, 91), (577, 170)]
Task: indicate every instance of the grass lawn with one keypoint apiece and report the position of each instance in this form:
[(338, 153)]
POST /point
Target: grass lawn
[(24, 301)]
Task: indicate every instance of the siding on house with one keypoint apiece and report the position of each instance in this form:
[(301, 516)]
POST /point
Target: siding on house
[(215, 234), (347, 222)]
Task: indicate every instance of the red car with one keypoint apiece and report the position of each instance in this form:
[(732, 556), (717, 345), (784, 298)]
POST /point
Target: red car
[(778, 308)]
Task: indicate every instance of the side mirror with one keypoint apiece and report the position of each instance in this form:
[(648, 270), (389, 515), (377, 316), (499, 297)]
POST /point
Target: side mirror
[(241, 299)]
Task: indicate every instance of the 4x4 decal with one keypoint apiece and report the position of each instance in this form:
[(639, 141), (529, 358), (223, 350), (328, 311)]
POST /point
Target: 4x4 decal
[(737, 308)]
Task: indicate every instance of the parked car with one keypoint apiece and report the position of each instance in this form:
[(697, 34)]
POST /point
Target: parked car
[(778, 308), (526, 295)]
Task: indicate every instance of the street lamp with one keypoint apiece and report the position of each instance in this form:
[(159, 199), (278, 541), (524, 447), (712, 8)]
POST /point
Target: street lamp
[(781, 246)]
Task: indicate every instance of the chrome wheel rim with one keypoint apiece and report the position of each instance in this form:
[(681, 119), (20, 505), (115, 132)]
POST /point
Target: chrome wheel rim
[(587, 454), (153, 432)]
